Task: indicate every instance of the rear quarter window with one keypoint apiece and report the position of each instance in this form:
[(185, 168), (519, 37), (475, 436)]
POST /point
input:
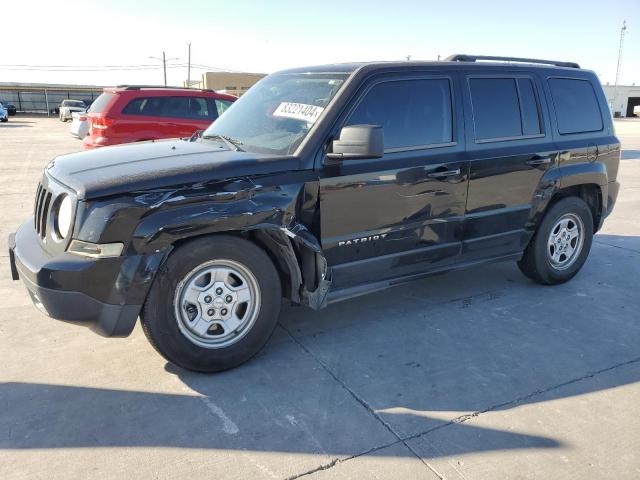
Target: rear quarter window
[(576, 104)]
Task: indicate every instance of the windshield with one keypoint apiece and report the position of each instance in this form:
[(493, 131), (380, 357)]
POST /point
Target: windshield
[(276, 114)]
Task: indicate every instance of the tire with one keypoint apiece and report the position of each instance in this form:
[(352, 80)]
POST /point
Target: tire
[(543, 261), (165, 315)]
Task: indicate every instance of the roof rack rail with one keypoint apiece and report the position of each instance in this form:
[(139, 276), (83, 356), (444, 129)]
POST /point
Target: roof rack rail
[(472, 58), (140, 87)]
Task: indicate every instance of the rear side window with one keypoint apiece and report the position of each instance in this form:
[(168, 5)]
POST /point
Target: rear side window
[(411, 112), (504, 108), (576, 104), (148, 106)]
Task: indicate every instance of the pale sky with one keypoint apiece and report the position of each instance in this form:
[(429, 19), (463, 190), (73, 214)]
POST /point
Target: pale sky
[(265, 36)]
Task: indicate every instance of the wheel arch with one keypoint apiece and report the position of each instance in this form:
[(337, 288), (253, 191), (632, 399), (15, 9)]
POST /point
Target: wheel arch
[(299, 261), (586, 180), (590, 193)]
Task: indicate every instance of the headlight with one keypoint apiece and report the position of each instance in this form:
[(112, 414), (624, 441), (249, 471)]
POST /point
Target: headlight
[(63, 217)]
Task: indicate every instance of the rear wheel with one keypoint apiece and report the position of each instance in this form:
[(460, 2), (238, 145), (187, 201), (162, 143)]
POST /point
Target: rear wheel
[(214, 305), (561, 244)]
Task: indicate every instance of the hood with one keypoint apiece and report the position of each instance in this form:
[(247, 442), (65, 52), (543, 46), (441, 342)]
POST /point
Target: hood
[(148, 165)]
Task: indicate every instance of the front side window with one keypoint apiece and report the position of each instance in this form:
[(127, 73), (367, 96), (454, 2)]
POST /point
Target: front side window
[(176, 107), (577, 109), (198, 109), (504, 108), (222, 105), (412, 113), (276, 114)]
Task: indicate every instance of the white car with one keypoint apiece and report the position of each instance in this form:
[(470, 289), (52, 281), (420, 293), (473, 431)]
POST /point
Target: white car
[(67, 107), (79, 125), (4, 114)]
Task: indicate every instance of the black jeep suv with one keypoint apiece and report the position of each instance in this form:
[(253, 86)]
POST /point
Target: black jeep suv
[(321, 184)]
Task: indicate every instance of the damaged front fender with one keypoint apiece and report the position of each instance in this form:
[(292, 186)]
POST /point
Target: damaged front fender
[(273, 215)]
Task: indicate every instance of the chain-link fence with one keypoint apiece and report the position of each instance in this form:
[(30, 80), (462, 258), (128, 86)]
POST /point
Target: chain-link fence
[(45, 99)]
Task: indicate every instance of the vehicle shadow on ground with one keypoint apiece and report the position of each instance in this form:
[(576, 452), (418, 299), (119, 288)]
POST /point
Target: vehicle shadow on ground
[(15, 125), (461, 344), (630, 155)]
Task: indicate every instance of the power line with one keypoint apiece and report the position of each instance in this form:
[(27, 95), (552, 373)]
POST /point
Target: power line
[(73, 66), (106, 68)]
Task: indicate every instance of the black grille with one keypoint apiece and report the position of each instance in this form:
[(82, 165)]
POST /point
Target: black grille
[(41, 210)]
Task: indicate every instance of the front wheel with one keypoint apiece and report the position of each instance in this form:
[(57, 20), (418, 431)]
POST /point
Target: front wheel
[(213, 305), (561, 244)]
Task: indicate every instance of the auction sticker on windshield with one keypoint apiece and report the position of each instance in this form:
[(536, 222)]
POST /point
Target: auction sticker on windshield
[(298, 111)]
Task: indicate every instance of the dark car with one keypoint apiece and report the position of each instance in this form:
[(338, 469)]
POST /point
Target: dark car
[(321, 184), (10, 107)]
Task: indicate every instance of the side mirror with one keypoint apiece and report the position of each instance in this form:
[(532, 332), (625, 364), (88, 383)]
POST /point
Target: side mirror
[(358, 142)]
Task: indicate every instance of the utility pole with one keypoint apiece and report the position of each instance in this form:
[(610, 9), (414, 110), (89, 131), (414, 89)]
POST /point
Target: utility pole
[(189, 67), (164, 64), (615, 86), (164, 67)]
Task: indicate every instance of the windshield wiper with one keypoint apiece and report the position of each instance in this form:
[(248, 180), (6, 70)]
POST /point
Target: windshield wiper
[(229, 142)]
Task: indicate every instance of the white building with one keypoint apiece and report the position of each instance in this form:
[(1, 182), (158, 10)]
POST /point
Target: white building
[(627, 97)]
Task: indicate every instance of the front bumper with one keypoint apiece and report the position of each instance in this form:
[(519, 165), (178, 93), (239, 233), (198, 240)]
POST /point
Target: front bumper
[(105, 295)]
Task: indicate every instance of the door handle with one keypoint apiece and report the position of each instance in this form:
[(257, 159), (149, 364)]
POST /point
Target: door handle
[(444, 173), (536, 161)]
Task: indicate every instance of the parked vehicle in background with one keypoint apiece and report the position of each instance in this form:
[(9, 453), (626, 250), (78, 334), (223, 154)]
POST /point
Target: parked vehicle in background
[(4, 114), (127, 114), (321, 184), (79, 124), (67, 107), (636, 111), (10, 108)]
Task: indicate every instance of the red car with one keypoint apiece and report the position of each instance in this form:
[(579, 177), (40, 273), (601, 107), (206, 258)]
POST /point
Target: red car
[(135, 113)]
